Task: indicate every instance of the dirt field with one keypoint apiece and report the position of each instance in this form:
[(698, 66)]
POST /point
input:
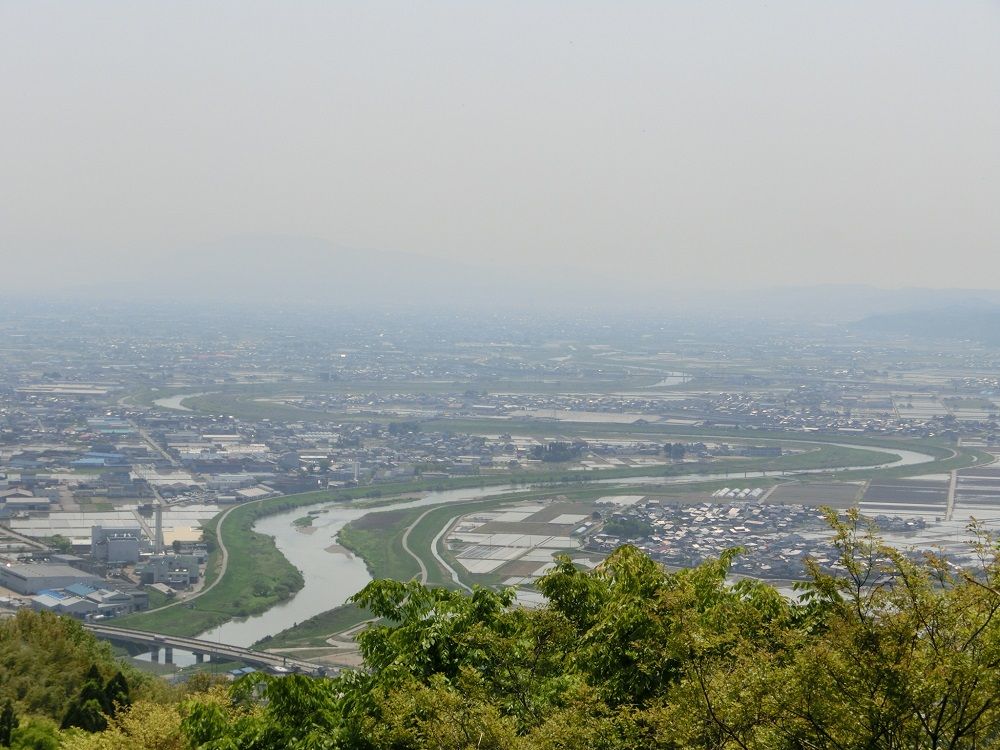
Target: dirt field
[(834, 494), (519, 568), (911, 493)]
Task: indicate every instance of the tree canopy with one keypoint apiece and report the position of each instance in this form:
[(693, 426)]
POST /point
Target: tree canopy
[(885, 650), (888, 651)]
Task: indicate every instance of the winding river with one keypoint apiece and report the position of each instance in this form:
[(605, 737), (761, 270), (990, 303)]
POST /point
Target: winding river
[(332, 574)]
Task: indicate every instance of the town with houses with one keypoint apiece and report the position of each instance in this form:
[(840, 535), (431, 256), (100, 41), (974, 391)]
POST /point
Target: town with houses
[(116, 446)]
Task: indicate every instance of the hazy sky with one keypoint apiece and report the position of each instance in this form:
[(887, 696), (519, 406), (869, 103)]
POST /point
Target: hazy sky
[(700, 142)]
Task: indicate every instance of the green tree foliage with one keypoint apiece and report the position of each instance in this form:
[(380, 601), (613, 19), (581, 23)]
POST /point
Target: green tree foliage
[(627, 527), (674, 451), (96, 702), (892, 651), (557, 452), (36, 734), (402, 428), (89, 709), (59, 542), (148, 725), (46, 659), (8, 723), (268, 713), (117, 694)]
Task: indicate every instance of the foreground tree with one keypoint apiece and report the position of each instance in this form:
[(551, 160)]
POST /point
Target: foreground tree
[(8, 723), (888, 650), (45, 660)]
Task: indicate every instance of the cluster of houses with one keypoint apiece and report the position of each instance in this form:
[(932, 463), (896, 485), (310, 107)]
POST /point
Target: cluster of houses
[(775, 539)]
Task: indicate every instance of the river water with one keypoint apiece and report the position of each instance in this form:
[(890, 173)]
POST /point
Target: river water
[(332, 575), (906, 458), (176, 402)]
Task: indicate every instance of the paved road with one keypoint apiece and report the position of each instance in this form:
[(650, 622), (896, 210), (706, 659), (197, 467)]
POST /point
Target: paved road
[(434, 548), (441, 560), (952, 485), (154, 445), (410, 552)]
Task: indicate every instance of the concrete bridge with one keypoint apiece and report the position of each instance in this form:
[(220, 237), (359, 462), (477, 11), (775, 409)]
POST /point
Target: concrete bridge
[(215, 651)]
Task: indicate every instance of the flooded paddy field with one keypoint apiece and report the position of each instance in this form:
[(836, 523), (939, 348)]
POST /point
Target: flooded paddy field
[(906, 497), (977, 494)]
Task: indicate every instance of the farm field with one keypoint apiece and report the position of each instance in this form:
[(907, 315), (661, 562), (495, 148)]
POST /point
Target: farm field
[(834, 494)]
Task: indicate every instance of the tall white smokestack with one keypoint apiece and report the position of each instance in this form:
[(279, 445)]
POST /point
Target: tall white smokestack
[(158, 543)]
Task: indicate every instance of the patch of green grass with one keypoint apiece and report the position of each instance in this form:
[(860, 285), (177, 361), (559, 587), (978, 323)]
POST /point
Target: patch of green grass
[(377, 538), (157, 598), (822, 457), (153, 667), (963, 458), (982, 404), (315, 630), (98, 507), (304, 521), (248, 407)]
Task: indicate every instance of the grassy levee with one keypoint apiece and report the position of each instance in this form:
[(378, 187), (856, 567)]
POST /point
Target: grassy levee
[(824, 457), (378, 537), (246, 407), (945, 461), (315, 630), (378, 540), (157, 598), (239, 399)]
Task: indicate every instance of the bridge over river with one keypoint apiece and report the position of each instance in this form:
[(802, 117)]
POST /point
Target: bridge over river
[(156, 642)]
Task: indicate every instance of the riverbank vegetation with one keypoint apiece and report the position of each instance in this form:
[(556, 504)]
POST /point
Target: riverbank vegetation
[(317, 630)]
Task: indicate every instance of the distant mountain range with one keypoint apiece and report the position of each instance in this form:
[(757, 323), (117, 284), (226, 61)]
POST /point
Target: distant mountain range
[(291, 271), (975, 323)]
